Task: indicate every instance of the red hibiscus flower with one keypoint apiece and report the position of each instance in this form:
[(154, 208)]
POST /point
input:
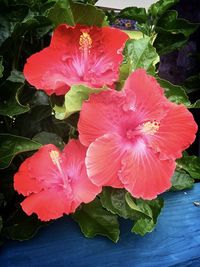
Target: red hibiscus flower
[(134, 136), (77, 55), (55, 183)]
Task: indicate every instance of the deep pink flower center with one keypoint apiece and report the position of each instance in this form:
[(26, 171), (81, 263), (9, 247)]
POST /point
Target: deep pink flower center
[(146, 128), (56, 159)]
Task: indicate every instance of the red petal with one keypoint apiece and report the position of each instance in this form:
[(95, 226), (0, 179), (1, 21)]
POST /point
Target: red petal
[(56, 68), (24, 183), (107, 55), (48, 205), (103, 161), (144, 174), (46, 70), (176, 132), (145, 96), (99, 115), (83, 189), (42, 167), (66, 38), (114, 40)]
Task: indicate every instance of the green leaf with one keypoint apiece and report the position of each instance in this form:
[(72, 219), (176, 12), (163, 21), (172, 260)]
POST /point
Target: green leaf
[(143, 226), (149, 211), (134, 34), (167, 42), (134, 13), (74, 100), (8, 21), (181, 180), (190, 164), (11, 145), (94, 220), (10, 106), (65, 11), (171, 23), (141, 54), (174, 93), (87, 14), (49, 138), (16, 21), (192, 83), (16, 77), (114, 201), (29, 3), (1, 67), (60, 112), (22, 227), (61, 13), (124, 71), (196, 104), (160, 7)]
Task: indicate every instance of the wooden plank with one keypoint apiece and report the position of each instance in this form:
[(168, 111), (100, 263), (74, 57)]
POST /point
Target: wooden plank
[(175, 242)]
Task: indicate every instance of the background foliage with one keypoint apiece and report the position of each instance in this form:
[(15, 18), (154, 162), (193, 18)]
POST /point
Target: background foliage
[(29, 118)]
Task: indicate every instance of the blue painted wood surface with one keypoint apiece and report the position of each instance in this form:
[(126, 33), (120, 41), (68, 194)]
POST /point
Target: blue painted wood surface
[(175, 242)]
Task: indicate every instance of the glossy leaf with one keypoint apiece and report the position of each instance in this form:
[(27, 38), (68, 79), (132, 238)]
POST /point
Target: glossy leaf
[(60, 112), (22, 227), (16, 77), (134, 34), (167, 42), (1, 67), (61, 13), (8, 22), (196, 104), (192, 83), (160, 7), (141, 54), (174, 93), (143, 226), (11, 145), (114, 201), (181, 180), (11, 106), (87, 14), (124, 71), (16, 22), (171, 23), (149, 211), (74, 100), (134, 13), (190, 164), (94, 220), (49, 138), (65, 11), (29, 3), (38, 119)]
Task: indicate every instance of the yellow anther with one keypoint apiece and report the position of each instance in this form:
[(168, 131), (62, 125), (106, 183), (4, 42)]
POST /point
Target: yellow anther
[(150, 127), (85, 41), (55, 157)]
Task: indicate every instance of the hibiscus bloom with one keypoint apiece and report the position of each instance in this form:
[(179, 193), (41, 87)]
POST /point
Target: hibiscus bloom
[(55, 183), (134, 136), (87, 55)]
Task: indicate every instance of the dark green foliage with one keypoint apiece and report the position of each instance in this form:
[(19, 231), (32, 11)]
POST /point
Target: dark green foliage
[(29, 118)]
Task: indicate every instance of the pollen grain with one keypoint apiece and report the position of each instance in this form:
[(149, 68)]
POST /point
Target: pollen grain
[(150, 127), (85, 41)]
